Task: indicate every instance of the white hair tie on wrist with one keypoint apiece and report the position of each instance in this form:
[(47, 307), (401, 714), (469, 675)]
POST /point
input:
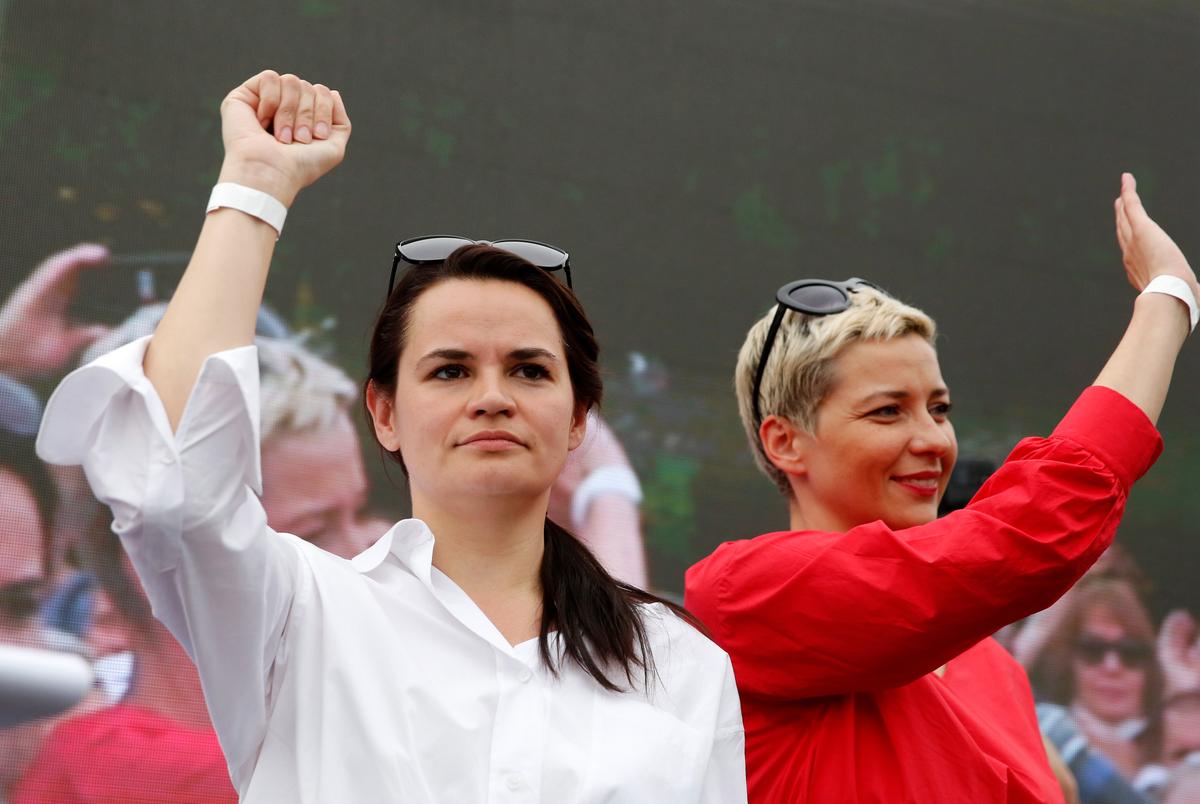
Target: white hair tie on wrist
[(256, 203), (1174, 286)]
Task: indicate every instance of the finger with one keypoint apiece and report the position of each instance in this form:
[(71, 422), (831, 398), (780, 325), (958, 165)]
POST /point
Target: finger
[(340, 118), (1124, 230), (269, 94), (289, 101), (322, 111), (64, 264), (1173, 635), (304, 112), (1130, 199)]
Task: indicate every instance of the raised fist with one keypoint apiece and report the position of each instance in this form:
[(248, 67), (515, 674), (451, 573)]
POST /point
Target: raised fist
[(282, 133)]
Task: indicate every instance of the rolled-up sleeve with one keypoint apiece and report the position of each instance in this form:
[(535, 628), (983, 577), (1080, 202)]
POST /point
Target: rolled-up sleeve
[(186, 509)]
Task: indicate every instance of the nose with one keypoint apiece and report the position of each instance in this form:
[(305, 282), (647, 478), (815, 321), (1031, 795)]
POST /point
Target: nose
[(490, 398), (932, 437), (1111, 662)]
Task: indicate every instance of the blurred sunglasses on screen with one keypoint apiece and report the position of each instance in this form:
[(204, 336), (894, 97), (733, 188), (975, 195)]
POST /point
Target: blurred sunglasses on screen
[(1132, 653), (816, 297), (436, 248)]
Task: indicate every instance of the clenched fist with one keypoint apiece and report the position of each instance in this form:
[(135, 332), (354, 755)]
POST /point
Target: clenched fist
[(282, 133)]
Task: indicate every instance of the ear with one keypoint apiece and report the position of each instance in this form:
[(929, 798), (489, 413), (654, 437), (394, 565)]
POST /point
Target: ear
[(382, 416), (785, 444), (578, 427)]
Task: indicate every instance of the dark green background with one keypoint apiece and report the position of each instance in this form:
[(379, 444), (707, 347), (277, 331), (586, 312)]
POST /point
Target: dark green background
[(692, 156)]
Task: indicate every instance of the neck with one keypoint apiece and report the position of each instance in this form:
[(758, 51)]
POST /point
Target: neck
[(165, 680), (811, 517), (491, 547)]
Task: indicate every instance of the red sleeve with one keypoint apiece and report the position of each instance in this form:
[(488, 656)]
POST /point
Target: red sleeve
[(805, 614)]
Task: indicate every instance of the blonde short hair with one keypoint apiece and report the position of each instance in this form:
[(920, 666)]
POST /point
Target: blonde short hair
[(298, 390), (799, 371)]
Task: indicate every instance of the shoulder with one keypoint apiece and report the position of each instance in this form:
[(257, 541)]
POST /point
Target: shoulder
[(692, 677), (755, 561), (680, 650)]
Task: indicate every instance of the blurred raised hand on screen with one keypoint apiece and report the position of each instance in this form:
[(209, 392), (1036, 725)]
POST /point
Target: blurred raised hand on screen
[(282, 133), (597, 496), (37, 338), (1179, 653)]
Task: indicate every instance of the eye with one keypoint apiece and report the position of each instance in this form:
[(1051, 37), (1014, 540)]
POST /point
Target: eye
[(531, 371), (886, 412), (941, 410), (450, 372)]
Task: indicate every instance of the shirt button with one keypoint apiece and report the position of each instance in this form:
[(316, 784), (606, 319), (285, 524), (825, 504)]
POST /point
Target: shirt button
[(513, 782), (167, 459), (526, 676)]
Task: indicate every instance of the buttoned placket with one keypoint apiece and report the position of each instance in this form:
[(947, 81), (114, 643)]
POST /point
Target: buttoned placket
[(519, 730)]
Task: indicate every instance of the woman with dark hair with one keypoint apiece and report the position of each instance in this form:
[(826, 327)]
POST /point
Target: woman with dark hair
[(476, 652), (1100, 662)]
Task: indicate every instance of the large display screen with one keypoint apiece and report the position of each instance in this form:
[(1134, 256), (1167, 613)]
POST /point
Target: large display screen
[(691, 158)]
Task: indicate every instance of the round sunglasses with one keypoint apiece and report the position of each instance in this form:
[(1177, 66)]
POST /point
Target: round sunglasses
[(815, 297)]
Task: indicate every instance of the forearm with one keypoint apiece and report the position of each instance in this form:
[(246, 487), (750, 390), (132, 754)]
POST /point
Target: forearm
[(216, 304), (613, 532), (214, 307), (1140, 369)]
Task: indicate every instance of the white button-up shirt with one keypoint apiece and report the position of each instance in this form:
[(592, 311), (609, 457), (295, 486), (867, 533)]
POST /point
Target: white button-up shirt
[(376, 679)]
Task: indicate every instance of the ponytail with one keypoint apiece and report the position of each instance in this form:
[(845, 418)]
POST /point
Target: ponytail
[(599, 625)]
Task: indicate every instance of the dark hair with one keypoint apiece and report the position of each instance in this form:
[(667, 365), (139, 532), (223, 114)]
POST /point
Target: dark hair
[(596, 616), (17, 456)]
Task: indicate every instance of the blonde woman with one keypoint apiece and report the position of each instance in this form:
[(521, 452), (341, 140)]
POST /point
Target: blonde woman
[(860, 635)]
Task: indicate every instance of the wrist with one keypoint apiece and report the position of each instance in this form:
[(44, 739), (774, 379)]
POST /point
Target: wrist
[(1181, 290), (260, 176), (1163, 314)]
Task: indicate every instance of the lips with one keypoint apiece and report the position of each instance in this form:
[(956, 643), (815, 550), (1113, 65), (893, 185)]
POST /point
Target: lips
[(492, 441), (923, 484)]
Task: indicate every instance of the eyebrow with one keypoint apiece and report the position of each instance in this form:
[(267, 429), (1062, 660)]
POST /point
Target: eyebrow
[(526, 353), (901, 395)]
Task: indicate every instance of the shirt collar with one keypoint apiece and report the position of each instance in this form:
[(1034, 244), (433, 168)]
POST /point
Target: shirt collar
[(410, 541)]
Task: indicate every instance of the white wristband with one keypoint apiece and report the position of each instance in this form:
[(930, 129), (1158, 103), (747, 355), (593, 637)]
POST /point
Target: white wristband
[(253, 202), (1174, 286)]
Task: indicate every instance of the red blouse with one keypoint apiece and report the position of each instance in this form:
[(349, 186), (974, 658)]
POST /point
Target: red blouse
[(835, 636)]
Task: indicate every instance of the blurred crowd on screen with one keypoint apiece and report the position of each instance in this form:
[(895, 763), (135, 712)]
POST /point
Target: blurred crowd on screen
[(1119, 693)]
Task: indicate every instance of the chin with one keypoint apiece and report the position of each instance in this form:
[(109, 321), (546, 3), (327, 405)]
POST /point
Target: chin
[(899, 520), (494, 481)]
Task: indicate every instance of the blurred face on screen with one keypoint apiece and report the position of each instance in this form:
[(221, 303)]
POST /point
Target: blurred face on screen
[(20, 531), (883, 446), (484, 405), (1110, 668), (314, 486)]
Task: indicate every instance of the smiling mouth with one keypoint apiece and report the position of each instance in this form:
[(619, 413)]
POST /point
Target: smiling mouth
[(924, 484)]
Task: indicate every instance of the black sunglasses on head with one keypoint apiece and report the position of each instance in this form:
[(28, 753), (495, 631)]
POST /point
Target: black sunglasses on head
[(436, 248), (814, 297)]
